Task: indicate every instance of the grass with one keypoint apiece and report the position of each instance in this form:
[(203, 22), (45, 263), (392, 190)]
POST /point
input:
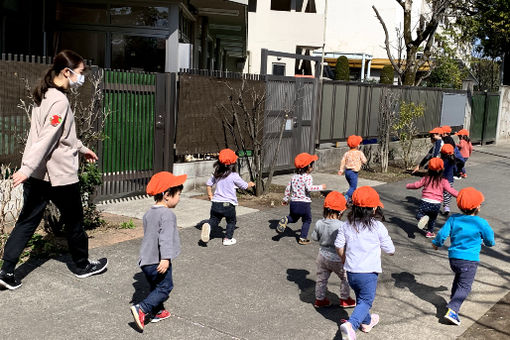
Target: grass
[(127, 225)]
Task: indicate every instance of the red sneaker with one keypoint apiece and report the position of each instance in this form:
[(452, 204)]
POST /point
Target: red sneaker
[(322, 303), (164, 314), (139, 316), (347, 303)]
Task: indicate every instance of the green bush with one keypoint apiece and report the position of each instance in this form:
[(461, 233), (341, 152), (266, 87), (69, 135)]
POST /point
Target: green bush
[(90, 178), (387, 75), (127, 225), (342, 71), (406, 130)]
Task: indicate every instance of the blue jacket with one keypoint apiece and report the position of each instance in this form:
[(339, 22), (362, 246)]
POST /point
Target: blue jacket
[(466, 234)]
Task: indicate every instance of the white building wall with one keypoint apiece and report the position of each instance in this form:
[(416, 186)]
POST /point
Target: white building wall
[(281, 31), (352, 26)]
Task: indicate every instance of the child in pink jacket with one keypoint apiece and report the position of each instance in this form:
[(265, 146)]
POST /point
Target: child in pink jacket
[(432, 195)]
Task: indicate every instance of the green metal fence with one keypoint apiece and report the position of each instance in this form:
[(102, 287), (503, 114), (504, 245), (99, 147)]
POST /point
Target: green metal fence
[(127, 153), (484, 117)]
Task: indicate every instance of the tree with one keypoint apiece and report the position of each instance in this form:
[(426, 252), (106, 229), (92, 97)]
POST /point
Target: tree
[(342, 71), (447, 73), (387, 75), (406, 130), (487, 72), (388, 104), (417, 38)]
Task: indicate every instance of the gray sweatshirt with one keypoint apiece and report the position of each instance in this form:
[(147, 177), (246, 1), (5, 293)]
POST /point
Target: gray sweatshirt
[(325, 233), (51, 153), (160, 236)]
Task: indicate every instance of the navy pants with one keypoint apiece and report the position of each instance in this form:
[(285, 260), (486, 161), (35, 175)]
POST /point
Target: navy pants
[(352, 179), (429, 209), (465, 272), (161, 286), (364, 286), (220, 210), (36, 195), (301, 210)]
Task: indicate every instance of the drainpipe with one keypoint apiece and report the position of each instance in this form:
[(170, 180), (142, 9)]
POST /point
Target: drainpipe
[(363, 67), (368, 68)]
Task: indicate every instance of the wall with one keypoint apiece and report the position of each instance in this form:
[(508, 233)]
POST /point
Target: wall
[(503, 130)]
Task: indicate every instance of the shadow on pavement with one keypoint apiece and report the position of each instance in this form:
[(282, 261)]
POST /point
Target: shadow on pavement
[(422, 291), (409, 228), (141, 286), (307, 295), (287, 233)]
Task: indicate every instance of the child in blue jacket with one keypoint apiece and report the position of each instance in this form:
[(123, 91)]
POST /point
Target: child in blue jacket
[(466, 232)]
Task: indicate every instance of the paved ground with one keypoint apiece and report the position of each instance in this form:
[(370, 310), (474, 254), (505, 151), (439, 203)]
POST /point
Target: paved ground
[(263, 287)]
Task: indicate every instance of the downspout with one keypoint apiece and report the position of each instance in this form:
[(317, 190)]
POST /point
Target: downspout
[(363, 67)]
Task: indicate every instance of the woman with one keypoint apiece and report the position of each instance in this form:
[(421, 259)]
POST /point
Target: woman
[(49, 170)]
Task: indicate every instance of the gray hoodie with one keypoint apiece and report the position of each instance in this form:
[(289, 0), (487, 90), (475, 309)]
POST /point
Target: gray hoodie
[(325, 233), (51, 153)]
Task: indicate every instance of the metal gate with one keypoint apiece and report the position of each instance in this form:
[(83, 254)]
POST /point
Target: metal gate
[(292, 98), (484, 117)]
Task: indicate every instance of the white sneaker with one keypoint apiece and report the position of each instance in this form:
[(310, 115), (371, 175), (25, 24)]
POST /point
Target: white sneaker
[(206, 232), (422, 223), (229, 241)]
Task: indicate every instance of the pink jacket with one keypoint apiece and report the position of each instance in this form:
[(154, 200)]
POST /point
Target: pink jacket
[(465, 148), (433, 189)]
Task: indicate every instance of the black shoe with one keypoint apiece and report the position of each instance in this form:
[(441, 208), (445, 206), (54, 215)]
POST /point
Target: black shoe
[(9, 281), (93, 268)]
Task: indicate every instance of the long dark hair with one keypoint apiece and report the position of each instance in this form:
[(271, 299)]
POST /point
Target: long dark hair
[(434, 177), (466, 138), (364, 216), (221, 170), (65, 59)]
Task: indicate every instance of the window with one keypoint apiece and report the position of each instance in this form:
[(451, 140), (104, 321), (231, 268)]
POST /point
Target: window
[(278, 69), (138, 53), (307, 6), (252, 5), (80, 13), (280, 5), (93, 50), (139, 16)]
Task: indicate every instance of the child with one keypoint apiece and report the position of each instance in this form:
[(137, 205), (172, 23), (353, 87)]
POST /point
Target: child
[(466, 233), (437, 141), (351, 164), (297, 195), (160, 245), (447, 155), (447, 139), (465, 148), (224, 200), (432, 195), (328, 261), (359, 242)]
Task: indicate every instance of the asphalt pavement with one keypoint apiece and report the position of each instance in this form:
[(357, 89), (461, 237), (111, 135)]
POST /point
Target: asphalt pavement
[(263, 287)]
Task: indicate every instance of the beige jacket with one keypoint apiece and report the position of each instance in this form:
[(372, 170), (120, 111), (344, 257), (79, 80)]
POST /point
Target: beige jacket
[(51, 153)]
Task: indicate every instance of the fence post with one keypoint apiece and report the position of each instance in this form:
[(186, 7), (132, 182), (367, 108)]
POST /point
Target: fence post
[(159, 123), (484, 121)]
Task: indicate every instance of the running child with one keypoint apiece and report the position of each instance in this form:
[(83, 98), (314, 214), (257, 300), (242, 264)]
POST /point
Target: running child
[(448, 157), (297, 195), (466, 231), (328, 261), (432, 195), (224, 200), (351, 164), (465, 148), (360, 242), (160, 245), (437, 141)]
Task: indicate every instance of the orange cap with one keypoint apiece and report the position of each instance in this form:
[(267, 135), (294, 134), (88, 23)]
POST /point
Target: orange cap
[(304, 159), (353, 141), (335, 201), (436, 130), (227, 157), (366, 197), (469, 198), (162, 181), (446, 129), (462, 132), (447, 149), (436, 163)]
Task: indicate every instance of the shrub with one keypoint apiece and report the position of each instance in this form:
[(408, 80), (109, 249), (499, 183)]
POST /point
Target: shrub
[(342, 71), (387, 75)]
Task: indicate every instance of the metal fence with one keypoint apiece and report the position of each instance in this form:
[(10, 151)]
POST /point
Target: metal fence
[(353, 108)]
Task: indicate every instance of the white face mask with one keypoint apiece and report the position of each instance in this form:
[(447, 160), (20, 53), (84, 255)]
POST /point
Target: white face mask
[(79, 82)]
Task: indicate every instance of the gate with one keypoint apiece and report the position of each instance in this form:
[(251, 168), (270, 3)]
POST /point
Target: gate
[(293, 97), (484, 117)]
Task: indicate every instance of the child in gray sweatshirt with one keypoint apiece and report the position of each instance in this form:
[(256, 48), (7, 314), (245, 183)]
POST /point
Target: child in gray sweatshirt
[(328, 261), (160, 245)]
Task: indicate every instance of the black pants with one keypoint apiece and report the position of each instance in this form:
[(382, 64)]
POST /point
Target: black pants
[(36, 195), (220, 210)]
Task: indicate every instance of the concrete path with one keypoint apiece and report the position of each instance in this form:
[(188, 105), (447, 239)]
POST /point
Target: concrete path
[(263, 287)]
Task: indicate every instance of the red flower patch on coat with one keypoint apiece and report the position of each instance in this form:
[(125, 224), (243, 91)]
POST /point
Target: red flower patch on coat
[(55, 120)]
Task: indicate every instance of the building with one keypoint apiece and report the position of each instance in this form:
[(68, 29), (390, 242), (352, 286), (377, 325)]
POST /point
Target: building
[(291, 26), (131, 35)]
